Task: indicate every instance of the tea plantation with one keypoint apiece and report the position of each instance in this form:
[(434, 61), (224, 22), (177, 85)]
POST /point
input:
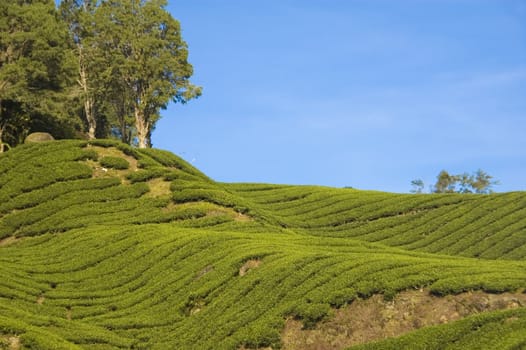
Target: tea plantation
[(103, 246)]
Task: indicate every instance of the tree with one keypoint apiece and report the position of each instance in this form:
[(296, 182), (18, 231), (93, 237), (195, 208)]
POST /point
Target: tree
[(478, 182), (117, 105), (418, 186), (80, 18), (149, 56), (445, 182), (482, 182), (34, 68), (14, 123), (465, 182), (126, 58)]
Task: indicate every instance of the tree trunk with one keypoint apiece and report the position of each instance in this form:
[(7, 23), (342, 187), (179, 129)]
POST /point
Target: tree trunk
[(1, 130), (1, 141), (90, 117), (120, 107), (124, 133), (142, 126), (89, 102), (149, 139), (3, 145)]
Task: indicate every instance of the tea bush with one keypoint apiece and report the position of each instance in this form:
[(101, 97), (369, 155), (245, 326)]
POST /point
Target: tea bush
[(100, 264), (114, 163)]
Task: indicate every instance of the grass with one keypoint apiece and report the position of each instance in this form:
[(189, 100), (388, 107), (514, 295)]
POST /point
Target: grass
[(159, 256)]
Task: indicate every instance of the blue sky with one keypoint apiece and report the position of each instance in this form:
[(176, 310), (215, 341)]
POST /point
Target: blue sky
[(364, 93)]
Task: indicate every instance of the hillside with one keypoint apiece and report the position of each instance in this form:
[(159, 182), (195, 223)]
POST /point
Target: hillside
[(103, 246)]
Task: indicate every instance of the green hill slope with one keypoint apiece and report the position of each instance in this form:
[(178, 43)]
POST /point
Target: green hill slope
[(489, 227), (103, 246)]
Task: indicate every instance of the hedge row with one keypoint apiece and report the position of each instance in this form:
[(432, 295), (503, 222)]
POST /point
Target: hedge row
[(489, 226), (181, 288)]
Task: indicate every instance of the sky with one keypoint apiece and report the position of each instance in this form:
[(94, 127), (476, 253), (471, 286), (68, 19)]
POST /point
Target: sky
[(369, 94)]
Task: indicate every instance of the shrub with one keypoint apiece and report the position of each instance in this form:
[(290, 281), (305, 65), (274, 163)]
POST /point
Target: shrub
[(39, 137), (88, 154), (114, 163), (145, 175), (147, 163), (311, 314), (169, 159)]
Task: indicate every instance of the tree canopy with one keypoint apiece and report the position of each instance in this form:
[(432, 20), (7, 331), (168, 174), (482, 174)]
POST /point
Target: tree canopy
[(35, 70), (89, 68), (478, 182)]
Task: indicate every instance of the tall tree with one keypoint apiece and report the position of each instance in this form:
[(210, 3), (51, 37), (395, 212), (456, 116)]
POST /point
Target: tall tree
[(445, 182), (149, 56), (34, 66), (117, 104), (80, 18), (482, 182)]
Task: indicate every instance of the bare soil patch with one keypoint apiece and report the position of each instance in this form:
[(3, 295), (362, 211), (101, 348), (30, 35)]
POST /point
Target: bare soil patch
[(212, 210), (114, 152), (10, 342), (99, 171), (197, 307), (375, 318), (249, 265), (170, 207), (204, 271), (8, 241), (242, 217), (219, 211), (159, 188)]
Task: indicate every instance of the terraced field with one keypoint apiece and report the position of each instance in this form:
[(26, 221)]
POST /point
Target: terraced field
[(488, 227), (103, 246)]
